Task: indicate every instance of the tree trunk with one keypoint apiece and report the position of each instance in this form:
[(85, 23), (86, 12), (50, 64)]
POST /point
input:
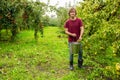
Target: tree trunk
[(35, 33), (14, 32)]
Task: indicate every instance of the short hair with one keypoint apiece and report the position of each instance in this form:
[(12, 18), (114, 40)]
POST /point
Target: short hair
[(71, 10)]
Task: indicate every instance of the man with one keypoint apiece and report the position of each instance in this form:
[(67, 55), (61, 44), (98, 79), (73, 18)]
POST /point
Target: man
[(74, 29)]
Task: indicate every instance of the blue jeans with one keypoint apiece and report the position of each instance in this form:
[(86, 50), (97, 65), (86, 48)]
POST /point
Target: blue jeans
[(71, 54)]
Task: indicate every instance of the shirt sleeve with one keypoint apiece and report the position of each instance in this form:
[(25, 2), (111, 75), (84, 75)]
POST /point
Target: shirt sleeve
[(66, 24)]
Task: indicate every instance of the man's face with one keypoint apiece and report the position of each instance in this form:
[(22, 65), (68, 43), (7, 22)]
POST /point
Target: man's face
[(72, 13)]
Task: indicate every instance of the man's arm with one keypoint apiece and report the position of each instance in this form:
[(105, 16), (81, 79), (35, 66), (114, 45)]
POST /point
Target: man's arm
[(81, 33), (68, 33)]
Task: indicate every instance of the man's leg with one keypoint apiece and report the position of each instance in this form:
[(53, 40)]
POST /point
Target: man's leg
[(71, 57), (80, 60)]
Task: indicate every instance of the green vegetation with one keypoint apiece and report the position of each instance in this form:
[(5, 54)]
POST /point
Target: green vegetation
[(27, 59), (47, 58), (26, 56), (102, 35), (18, 15)]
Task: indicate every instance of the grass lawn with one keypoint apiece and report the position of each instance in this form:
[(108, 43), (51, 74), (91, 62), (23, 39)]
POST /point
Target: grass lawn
[(46, 59)]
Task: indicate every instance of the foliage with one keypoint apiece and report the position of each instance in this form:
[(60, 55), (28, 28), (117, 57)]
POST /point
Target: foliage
[(9, 10), (102, 33), (47, 58), (46, 19), (53, 22), (17, 15), (62, 15)]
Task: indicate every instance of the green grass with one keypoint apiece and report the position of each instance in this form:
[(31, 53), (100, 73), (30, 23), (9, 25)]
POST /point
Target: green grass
[(45, 59), (26, 59)]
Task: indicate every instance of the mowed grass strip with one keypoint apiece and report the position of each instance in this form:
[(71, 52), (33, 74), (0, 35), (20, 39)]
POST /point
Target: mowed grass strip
[(28, 59)]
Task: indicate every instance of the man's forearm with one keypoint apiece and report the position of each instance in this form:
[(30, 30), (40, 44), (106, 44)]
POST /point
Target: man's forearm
[(68, 33), (82, 31)]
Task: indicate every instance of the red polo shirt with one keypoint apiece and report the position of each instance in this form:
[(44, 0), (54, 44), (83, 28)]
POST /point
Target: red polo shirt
[(73, 27)]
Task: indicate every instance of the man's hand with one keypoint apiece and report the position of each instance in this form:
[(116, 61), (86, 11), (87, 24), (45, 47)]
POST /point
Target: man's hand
[(80, 38), (69, 33), (73, 35)]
